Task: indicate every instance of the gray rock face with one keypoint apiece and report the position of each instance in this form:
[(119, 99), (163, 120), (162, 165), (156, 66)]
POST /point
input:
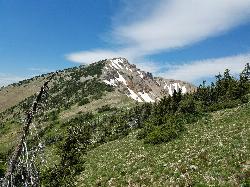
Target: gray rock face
[(139, 85)]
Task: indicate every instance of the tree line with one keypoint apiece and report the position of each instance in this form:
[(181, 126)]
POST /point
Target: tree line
[(155, 123)]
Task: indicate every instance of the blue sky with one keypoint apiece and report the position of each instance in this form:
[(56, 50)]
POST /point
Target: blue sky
[(188, 40)]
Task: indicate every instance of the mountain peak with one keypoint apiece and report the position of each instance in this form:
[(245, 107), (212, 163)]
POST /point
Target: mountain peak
[(72, 85), (140, 85)]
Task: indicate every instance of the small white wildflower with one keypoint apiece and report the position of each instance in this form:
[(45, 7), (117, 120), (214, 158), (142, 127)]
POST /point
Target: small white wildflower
[(193, 167), (40, 145), (220, 144)]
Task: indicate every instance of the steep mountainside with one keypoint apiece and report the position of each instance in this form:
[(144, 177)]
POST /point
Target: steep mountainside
[(15, 93), (139, 85), (109, 124), (214, 152), (125, 78), (107, 85)]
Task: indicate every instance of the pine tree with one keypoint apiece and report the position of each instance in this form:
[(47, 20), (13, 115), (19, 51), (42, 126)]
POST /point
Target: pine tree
[(246, 71), (244, 83), (218, 85), (174, 102)]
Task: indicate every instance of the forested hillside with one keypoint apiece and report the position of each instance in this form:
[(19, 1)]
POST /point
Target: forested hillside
[(196, 138)]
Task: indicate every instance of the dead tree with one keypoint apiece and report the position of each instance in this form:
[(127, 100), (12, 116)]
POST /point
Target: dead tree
[(26, 128)]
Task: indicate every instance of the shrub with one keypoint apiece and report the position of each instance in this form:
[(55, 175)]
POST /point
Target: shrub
[(187, 106), (83, 101), (104, 109), (71, 152), (164, 133), (170, 129)]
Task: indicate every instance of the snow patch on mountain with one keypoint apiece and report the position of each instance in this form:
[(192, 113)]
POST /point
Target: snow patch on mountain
[(146, 97), (116, 63), (184, 89), (139, 85), (121, 79), (111, 82), (176, 87), (170, 91), (134, 96), (140, 74)]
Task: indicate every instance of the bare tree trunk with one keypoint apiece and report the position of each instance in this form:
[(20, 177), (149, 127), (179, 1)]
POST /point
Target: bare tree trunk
[(30, 115)]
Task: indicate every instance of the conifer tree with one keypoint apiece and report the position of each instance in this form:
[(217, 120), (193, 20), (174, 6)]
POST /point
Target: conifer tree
[(244, 82)]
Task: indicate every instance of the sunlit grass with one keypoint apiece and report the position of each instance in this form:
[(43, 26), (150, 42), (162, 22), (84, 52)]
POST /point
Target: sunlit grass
[(214, 151)]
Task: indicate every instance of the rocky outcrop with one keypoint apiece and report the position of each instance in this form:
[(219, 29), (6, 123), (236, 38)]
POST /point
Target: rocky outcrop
[(139, 85)]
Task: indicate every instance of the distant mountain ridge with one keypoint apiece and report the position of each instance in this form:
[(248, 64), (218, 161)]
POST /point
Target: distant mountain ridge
[(126, 79)]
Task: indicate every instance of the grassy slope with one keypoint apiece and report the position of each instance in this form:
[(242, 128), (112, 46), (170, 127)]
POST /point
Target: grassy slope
[(11, 131), (214, 151), (112, 99), (8, 136), (12, 95)]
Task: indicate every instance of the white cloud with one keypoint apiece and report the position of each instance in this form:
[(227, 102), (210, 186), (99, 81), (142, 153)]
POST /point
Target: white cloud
[(196, 70), (40, 70), (167, 25), (86, 57), (149, 66), (6, 79), (177, 23)]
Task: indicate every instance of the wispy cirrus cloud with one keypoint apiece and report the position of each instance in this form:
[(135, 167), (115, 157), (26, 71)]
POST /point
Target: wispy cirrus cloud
[(40, 70), (167, 25), (177, 23), (94, 55), (6, 79), (197, 70)]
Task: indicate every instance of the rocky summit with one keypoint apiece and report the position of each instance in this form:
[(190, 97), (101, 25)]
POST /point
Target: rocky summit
[(139, 85)]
